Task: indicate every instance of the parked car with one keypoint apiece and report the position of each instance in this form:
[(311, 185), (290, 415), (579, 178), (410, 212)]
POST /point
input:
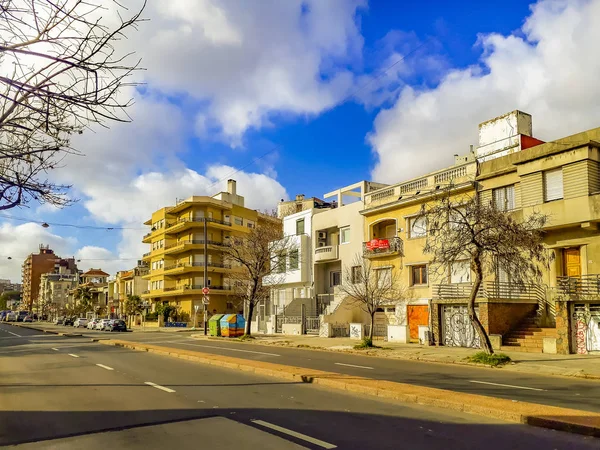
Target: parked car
[(101, 325), (28, 318), (116, 325), (80, 322), (91, 325), (11, 317), (59, 320), (68, 321), (3, 315), (21, 315)]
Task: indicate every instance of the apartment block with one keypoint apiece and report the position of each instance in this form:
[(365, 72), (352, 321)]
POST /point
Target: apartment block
[(126, 283), (54, 292), (188, 237)]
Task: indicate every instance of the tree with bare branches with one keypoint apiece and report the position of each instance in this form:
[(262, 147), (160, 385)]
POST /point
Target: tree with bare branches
[(256, 256), (60, 73), (489, 238), (370, 287)]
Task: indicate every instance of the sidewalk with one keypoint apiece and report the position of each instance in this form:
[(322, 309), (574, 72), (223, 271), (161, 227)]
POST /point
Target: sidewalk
[(582, 366)]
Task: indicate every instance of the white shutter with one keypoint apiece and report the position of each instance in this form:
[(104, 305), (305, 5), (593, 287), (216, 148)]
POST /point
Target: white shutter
[(510, 197), (499, 199), (460, 272), (553, 185)]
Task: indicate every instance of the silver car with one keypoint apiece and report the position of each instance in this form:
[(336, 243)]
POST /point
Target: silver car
[(91, 325), (81, 322), (101, 325)]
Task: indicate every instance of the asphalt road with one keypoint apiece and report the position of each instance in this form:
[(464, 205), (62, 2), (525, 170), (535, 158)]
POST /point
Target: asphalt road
[(556, 391), (71, 393)]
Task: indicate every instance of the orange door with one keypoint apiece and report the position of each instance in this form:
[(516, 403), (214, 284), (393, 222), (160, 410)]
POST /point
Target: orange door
[(572, 262), (417, 315)]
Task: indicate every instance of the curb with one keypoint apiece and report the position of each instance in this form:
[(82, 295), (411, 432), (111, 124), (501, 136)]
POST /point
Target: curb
[(58, 333), (535, 371), (552, 417)]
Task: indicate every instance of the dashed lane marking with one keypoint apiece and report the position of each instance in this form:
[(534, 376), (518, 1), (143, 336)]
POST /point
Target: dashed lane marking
[(158, 386), (295, 434)]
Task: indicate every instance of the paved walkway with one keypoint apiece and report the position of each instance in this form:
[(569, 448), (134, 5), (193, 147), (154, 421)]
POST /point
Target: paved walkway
[(584, 366)]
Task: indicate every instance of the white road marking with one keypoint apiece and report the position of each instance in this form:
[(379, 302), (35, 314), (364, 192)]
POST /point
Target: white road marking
[(158, 386), (295, 434), (74, 356), (105, 367), (223, 348), (14, 334), (55, 349), (352, 365), (507, 385)]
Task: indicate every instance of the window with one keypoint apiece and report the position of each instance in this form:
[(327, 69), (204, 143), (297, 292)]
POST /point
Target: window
[(356, 274), (345, 235), (504, 198), (417, 227), (384, 277), (553, 185), (293, 259), (335, 278), (238, 221), (300, 226), (280, 263), (460, 272), (249, 224), (418, 275)]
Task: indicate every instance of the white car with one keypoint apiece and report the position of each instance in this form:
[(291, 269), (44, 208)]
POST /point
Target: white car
[(91, 325), (80, 322), (101, 325), (11, 317)]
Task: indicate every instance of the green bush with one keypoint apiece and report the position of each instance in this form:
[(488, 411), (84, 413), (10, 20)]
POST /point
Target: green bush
[(496, 359), (246, 337), (365, 343)]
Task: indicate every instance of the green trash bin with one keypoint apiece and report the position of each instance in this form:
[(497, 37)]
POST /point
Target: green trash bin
[(214, 325)]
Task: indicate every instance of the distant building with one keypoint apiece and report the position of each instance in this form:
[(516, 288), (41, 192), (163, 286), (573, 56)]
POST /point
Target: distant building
[(129, 282), (33, 268), (6, 286)]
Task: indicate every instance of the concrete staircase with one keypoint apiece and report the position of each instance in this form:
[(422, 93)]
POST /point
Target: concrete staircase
[(527, 337)]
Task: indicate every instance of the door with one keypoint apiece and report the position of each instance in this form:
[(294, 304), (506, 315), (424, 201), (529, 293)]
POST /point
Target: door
[(572, 262), (417, 315), (457, 329)]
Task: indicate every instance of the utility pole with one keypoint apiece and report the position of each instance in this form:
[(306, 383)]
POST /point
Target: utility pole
[(205, 270)]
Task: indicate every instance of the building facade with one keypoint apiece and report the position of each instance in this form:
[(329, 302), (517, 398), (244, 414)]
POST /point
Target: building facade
[(33, 267), (54, 292), (179, 252), (126, 283)]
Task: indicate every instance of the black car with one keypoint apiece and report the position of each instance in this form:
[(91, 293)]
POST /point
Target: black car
[(68, 321), (116, 325)]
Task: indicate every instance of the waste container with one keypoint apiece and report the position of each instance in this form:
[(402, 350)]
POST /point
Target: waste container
[(232, 325), (214, 325)]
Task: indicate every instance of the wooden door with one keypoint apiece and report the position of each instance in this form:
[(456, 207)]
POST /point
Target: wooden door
[(417, 315), (572, 262)]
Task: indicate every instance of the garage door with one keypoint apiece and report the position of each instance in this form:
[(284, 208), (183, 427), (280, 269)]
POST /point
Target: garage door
[(457, 330)]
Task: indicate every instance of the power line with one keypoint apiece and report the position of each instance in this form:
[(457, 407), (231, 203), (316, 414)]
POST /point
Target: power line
[(69, 225), (77, 259)]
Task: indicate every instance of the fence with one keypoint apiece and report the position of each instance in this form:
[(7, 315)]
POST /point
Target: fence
[(340, 331), (490, 289), (379, 332)]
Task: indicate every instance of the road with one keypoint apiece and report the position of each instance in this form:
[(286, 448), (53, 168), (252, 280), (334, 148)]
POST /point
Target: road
[(556, 391), (72, 393)]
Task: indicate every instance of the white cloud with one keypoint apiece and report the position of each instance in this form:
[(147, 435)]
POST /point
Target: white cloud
[(548, 69), (93, 257), (18, 241)]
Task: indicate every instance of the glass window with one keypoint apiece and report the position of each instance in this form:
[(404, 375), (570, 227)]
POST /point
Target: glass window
[(300, 226), (417, 227), (356, 274), (419, 275), (553, 185), (238, 221), (504, 198), (384, 277), (460, 272), (345, 235), (293, 259), (280, 263), (335, 278)]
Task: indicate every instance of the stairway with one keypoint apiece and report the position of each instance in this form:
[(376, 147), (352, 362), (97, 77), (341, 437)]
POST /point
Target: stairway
[(527, 337)]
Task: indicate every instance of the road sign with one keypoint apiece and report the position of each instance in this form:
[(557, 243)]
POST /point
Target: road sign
[(205, 300), (205, 290), (196, 308)]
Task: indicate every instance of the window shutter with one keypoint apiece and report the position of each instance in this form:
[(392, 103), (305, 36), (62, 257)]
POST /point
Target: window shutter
[(499, 199), (553, 184), (510, 197)]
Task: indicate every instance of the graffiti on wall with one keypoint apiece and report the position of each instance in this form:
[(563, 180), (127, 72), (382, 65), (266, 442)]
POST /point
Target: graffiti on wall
[(586, 327)]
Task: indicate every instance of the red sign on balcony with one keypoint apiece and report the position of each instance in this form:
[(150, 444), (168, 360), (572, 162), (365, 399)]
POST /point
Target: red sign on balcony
[(375, 244)]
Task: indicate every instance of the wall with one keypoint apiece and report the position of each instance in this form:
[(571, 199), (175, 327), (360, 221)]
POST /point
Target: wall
[(501, 318)]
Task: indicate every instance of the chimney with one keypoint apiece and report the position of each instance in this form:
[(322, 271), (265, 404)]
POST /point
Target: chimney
[(231, 187), (300, 197)]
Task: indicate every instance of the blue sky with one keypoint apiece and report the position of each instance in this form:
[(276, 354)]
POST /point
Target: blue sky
[(303, 82)]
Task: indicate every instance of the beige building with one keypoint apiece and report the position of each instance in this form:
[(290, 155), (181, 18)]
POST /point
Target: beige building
[(54, 292), (126, 283)]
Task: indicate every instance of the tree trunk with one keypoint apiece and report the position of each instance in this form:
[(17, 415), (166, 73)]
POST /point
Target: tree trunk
[(483, 337), (372, 326), (249, 319)]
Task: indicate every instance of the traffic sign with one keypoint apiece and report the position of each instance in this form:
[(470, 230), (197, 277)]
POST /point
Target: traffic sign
[(196, 307), (205, 300), (205, 290)]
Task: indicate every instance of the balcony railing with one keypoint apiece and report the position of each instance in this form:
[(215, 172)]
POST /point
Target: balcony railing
[(197, 220), (327, 253), (216, 288), (197, 264), (195, 241), (489, 290), (383, 247), (146, 254), (578, 287)]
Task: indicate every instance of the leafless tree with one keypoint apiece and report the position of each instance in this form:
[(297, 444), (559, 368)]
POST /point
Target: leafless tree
[(60, 72), (489, 238), (370, 287), (256, 256)]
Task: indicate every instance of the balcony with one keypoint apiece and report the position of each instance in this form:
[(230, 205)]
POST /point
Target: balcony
[(327, 253), (178, 268), (579, 288), (195, 244), (383, 247), (195, 290), (495, 290), (186, 222)]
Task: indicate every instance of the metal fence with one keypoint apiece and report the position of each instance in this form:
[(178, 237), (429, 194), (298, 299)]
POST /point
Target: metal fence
[(379, 332), (340, 331)]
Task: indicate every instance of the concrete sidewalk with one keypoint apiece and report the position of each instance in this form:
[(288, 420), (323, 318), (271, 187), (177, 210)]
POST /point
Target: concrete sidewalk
[(582, 366)]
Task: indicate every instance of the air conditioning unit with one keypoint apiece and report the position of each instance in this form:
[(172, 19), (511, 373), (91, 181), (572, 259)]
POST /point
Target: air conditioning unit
[(322, 234), (321, 244)]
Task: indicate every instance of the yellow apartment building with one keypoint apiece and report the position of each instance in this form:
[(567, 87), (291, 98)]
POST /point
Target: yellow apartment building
[(177, 255), (395, 236)]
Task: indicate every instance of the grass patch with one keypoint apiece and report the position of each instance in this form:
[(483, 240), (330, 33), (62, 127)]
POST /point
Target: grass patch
[(365, 344), (496, 359), (246, 337)]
